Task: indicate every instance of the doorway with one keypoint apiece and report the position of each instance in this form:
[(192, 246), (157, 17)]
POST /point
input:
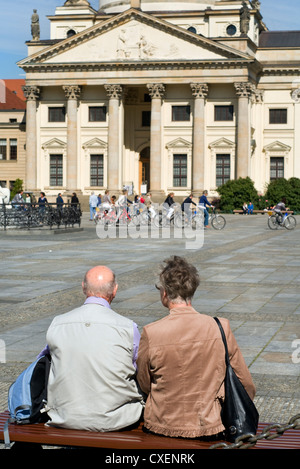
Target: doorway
[(144, 168)]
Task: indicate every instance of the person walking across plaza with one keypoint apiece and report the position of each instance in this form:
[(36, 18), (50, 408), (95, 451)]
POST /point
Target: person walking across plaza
[(92, 381), (181, 361), (93, 202)]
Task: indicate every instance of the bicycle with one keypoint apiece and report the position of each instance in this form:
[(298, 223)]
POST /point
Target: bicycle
[(278, 219), (141, 215), (168, 216), (105, 216), (217, 221)]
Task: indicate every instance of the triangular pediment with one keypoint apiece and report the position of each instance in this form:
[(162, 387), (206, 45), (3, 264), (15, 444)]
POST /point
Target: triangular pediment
[(54, 143), (95, 143), (277, 146), (222, 143), (130, 37), (179, 143)]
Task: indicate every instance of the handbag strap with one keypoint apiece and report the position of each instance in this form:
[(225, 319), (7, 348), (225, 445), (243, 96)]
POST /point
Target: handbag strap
[(224, 341)]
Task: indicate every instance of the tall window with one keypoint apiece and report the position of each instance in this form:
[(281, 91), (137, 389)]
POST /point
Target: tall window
[(97, 170), (56, 170), (97, 114), (146, 118), (13, 143), (181, 113), (224, 113), (179, 170), (276, 168), (222, 169), (57, 114), (278, 116), (3, 148)]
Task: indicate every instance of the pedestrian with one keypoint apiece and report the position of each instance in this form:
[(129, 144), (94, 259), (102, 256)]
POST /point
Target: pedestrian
[(59, 203), (181, 361), (74, 200), (93, 200), (92, 381), (42, 201)]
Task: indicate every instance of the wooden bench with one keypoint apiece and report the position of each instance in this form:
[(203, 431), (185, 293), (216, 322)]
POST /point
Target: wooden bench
[(134, 438), (237, 212)]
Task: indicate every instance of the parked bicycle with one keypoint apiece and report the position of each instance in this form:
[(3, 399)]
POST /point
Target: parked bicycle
[(27, 216), (285, 220)]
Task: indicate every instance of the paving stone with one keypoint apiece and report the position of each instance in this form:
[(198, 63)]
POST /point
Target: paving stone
[(245, 277)]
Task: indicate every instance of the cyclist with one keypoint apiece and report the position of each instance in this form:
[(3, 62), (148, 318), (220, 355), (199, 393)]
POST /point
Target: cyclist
[(122, 203), (185, 206), (168, 204), (203, 202), (280, 209)]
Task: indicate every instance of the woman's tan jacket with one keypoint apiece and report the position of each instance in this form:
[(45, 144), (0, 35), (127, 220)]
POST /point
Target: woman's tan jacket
[(181, 367)]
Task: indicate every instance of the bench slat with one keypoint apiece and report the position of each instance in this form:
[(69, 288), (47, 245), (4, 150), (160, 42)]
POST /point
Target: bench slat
[(134, 438)]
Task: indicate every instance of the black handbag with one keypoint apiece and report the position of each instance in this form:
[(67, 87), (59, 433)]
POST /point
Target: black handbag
[(239, 414)]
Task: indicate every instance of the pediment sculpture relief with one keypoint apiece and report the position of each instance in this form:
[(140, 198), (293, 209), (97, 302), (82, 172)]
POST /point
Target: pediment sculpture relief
[(132, 44)]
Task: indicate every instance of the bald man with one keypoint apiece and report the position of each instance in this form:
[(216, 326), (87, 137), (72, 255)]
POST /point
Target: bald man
[(92, 382)]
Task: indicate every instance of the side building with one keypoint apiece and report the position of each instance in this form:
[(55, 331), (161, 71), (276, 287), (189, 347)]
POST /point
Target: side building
[(12, 132), (162, 96)]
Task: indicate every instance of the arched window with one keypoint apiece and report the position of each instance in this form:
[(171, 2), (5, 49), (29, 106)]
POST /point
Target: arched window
[(71, 33)]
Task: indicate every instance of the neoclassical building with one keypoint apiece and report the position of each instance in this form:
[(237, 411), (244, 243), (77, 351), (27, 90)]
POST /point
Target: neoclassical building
[(160, 95)]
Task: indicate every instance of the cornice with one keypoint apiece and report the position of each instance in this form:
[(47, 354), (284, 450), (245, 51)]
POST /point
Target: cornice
[(279, 70), (137, 65)]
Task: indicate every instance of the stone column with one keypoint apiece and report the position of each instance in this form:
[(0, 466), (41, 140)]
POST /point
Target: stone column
[(199, 91), (244, 91), (31, 93), (72, 93), (296, 99), (114, 93), (157, 92)]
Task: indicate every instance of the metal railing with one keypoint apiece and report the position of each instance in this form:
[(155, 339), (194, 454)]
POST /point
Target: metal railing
[(29, 216)]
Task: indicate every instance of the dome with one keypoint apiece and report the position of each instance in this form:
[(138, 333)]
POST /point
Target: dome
[(118, 6)]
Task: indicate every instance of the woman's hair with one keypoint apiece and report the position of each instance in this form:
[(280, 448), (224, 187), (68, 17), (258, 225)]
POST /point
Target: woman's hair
[(179, 279)]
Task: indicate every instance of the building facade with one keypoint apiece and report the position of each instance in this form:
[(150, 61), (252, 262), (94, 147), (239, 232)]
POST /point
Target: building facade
[(163, 96), (12, 132)]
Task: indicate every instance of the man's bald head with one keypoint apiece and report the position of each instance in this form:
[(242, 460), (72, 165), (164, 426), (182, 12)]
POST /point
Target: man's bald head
[(100, 281)]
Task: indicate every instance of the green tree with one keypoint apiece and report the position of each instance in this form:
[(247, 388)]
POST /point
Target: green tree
[(235, 192), (18, 186), (283, 188)]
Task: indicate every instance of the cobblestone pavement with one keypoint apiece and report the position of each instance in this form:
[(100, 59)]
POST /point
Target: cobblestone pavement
[(249, 274)]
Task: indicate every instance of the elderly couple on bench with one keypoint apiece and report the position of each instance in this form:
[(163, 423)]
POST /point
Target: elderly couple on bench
[(105, 376)]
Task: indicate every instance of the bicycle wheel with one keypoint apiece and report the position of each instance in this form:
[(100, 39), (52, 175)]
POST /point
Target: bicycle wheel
[(181, 220), (272, 222), (160, 220), (218, 222), (290, 222)]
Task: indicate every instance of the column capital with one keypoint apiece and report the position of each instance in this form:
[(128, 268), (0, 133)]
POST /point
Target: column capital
[(114, 91), (296, 95), (31, 93), (72, 91), (199, 90), (244, 89), (156, 90)]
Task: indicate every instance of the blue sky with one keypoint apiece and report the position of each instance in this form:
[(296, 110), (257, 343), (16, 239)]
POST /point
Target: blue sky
[(16, 19)]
